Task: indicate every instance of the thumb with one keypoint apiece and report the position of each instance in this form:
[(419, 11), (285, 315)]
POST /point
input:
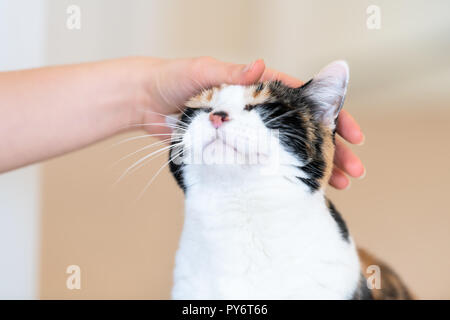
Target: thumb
[(210, 72)]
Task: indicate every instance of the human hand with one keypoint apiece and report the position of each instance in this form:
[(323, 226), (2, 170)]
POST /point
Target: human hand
[(172, 82)]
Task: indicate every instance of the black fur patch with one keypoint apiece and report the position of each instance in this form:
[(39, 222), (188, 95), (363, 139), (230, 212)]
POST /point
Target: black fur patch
[(362, 292), (287, 112), (339, 220), (311, 183), (259, 88)]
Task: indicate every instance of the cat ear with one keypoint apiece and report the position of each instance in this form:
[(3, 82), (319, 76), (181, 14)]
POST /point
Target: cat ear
[(327, 91)]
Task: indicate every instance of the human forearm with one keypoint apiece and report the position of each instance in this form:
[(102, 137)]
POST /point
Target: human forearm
[(49, 111)]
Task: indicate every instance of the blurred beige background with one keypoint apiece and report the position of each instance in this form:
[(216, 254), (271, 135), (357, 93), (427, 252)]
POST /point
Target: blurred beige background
[(400, 75)]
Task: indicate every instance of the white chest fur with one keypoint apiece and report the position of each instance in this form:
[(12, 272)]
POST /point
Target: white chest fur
[(264, 239)]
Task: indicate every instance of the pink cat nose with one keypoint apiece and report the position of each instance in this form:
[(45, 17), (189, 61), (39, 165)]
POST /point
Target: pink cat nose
[(218, 118)]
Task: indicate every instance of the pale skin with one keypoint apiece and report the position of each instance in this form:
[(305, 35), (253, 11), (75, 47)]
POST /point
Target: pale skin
[(50, 111)]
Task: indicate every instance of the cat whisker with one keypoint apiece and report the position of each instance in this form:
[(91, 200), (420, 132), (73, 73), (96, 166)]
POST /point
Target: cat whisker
[(170, 126), (142, 149), (145, 136), (305, 141), (154, 157), (283, 115), (161, 92), (164, 115), (157, 173), (143, 159), (202, 88)]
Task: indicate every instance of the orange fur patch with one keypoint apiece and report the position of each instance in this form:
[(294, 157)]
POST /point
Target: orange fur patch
[(392, 287)]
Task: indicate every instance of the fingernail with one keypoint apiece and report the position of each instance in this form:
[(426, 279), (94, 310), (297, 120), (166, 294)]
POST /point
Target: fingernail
[(248, 67), (362, 141), (363, 175), (348, 185)]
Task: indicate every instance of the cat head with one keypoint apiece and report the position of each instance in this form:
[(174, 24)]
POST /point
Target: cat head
[(231, 131)]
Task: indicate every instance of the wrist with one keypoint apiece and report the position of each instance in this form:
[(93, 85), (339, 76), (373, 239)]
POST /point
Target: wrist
[(129, 78), (143, 73)]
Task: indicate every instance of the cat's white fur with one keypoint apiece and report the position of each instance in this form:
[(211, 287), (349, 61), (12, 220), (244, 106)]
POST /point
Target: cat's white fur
[(254, 235)]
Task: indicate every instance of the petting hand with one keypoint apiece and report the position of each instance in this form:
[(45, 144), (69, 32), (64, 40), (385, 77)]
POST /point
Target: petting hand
[(171, 82)]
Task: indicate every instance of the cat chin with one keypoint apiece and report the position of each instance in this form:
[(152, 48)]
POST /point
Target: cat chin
[(231, 170), (219, 152), (230, 175)]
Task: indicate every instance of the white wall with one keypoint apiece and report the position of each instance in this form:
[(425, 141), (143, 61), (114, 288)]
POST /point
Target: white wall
[(22, 36)]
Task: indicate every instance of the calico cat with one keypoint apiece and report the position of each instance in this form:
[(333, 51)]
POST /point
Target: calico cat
[(253, 162)]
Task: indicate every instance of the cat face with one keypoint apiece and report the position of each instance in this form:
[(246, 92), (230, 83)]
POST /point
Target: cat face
[(265, 128)]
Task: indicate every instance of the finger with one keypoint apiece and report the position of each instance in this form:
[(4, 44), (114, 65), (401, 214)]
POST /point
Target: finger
[(249, 75), (211, 72), (338, 179), (347, 161), (272, 75), (348, 129)]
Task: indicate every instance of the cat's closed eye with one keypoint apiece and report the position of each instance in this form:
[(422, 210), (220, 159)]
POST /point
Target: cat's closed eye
[(249, 107), (206, 109)]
